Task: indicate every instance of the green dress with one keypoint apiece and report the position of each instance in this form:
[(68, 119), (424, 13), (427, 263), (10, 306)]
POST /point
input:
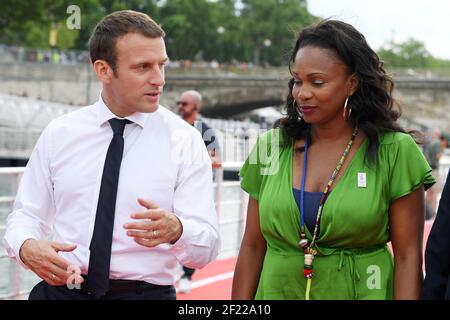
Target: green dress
[(353, 260)]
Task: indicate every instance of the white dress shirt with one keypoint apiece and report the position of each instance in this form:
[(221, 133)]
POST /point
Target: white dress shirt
[(164, 161)]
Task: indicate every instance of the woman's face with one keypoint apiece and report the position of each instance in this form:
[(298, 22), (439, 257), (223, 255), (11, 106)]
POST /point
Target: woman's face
[(321, 84)]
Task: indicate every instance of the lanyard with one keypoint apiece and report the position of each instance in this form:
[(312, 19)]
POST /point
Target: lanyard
[(304, 244)]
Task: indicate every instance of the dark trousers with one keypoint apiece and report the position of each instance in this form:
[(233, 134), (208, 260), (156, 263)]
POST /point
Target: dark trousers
[(188, 272), (43, 291)]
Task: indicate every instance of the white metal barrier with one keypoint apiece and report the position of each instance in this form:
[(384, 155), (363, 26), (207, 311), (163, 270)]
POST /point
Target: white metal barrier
[(17, 143), (13, 287)]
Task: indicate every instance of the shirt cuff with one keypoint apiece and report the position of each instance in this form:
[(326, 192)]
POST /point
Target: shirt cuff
[(13, 246), (181, 248)]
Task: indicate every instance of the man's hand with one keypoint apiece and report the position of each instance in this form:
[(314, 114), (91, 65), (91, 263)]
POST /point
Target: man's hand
[(216, 161), (42, 258), (155, 226)]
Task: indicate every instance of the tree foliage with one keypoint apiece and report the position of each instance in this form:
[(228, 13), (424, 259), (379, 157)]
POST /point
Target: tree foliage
[(271, 25), (410, 54), (18, 18), (258, 31)]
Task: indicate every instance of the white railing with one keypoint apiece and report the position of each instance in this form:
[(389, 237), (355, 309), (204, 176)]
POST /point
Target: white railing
[(18, 136), (17, 143), (12, 269)]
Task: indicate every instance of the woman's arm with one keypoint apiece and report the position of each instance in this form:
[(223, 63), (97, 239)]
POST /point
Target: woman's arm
[(251, 256), (406, 216)]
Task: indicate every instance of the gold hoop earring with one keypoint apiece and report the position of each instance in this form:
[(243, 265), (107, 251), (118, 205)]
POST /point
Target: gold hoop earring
[(345, 110), (294, 105)]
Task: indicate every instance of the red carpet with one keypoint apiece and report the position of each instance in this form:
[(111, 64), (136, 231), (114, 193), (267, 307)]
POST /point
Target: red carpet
[(209, 283)]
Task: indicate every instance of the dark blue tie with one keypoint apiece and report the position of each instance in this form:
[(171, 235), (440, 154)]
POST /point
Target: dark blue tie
[(100, 256)]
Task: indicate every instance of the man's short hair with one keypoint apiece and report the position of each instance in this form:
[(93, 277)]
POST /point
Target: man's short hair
[(102, 43)]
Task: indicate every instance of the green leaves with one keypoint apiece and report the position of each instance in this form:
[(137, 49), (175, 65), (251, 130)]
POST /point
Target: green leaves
[(258, 31), (410, 54)]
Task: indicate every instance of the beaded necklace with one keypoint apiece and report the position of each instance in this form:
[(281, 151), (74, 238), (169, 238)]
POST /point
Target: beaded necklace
[(304, 244)]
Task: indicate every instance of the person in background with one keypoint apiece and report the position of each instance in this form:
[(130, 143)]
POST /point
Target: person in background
[(334, 182), (433, 149), (189, 106), (444, 141), (124, 184)]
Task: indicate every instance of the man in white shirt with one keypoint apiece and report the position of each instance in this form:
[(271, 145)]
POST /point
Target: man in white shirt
[(137, 200)]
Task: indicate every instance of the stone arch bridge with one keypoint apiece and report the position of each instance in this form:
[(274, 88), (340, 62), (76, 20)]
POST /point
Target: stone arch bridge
[(224, 95)]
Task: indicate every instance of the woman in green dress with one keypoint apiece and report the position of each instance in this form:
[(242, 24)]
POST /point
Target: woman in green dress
[(334, 183)]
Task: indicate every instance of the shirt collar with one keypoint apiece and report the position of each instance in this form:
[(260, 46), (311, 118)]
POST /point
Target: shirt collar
[(104, 114)]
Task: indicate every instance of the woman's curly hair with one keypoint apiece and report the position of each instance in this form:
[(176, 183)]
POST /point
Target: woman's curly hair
[(372, 103)]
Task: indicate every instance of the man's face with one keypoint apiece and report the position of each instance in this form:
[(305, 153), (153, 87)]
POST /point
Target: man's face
[(187, 105), (139, 79)]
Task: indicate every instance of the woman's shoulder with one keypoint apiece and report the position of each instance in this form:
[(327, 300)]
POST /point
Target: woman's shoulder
[(399, 147), (270, 137), (270, 133), (395, 137)]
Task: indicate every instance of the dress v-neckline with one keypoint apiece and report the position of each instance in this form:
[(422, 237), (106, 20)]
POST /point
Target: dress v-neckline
[(331, 193)]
